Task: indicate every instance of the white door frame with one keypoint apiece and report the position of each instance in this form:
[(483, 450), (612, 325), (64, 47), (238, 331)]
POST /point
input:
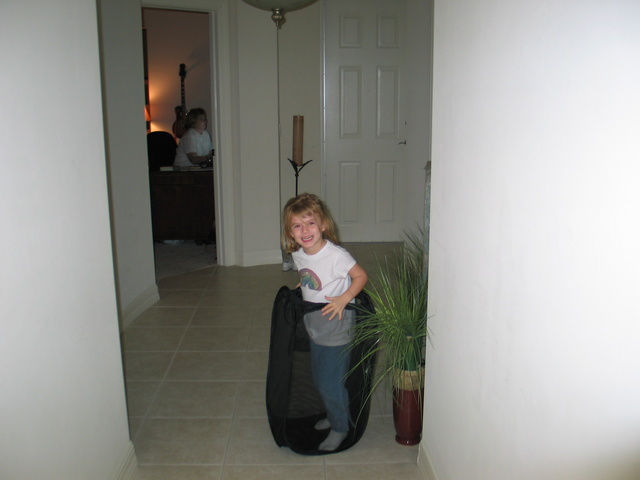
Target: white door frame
[(224, 184)]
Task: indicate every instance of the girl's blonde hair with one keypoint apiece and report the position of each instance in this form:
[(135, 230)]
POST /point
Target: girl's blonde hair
[(301, 206)]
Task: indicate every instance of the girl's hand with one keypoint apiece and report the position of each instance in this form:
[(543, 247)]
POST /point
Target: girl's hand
[(336, 305)]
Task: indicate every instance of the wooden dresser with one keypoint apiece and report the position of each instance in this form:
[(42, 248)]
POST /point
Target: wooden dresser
[(182, 205)]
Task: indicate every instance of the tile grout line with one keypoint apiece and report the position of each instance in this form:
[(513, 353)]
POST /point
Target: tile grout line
[(164, 377), (235, 404)]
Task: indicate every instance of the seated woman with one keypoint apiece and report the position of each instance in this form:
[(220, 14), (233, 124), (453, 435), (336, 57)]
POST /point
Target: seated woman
[(195, 145)]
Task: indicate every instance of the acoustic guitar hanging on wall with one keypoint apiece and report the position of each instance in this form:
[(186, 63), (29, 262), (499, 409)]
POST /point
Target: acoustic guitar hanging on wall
[(181, 110)]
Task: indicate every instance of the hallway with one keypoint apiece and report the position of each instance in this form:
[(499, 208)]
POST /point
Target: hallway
[(195, 367)]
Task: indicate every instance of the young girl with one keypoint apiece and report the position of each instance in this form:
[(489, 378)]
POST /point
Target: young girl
[(328, 274)]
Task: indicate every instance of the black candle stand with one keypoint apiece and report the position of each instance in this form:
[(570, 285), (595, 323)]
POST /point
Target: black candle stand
[(297, 168)]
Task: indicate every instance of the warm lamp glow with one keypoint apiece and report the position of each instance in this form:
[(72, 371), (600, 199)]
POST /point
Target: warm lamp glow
[(147, 115)]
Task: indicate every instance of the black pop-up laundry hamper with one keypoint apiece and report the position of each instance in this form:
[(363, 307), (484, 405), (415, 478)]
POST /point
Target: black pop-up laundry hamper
[(293, 403)]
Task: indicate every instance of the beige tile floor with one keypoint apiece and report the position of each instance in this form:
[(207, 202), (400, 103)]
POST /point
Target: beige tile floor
[(195, 367)]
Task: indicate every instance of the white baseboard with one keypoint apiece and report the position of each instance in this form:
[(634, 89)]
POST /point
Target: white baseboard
[(128, 464), (251, 259), (424, 464), (137, 306)]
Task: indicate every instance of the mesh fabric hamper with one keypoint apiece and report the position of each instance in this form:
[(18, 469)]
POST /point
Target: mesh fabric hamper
[(293, 404)]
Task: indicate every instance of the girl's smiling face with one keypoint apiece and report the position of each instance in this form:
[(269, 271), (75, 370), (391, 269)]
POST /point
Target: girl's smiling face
[(307, 232)]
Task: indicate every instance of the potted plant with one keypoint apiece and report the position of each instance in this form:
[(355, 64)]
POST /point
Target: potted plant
[(398, 290)]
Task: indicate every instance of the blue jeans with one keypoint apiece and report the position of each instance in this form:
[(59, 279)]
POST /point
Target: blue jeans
[(329, 367)]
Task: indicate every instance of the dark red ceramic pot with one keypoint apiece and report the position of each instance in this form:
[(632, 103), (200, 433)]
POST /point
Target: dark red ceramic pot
[(407, 408)]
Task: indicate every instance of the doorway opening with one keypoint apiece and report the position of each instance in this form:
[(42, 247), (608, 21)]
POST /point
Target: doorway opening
[(179, 75)]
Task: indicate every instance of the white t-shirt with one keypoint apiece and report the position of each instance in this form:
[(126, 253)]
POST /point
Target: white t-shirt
[(326, 273), (192, 141)]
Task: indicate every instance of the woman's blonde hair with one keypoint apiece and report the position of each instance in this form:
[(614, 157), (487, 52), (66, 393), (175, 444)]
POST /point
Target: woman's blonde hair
[(301, 206)]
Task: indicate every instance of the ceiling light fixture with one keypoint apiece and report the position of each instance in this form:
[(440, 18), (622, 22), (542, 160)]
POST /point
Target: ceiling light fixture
[(279, 7)]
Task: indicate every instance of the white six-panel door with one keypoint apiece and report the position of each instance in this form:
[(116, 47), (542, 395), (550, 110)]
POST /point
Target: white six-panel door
[(364, 122)]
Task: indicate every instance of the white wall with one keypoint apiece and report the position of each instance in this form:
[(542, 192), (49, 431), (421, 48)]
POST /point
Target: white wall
[(127, 163), (300, 75), (62, 404), (534, 369), (257, 136), (418, 128)]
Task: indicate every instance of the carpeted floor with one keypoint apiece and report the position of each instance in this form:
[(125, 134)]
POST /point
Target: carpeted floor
[(181, 257)]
